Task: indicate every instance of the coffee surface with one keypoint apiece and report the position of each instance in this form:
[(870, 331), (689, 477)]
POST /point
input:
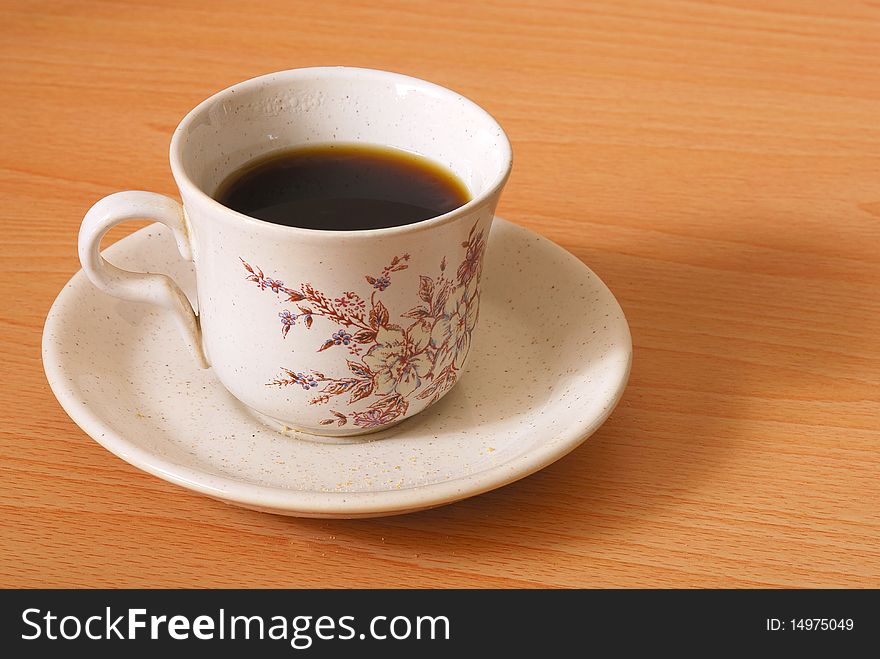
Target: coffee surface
[(342, 187)]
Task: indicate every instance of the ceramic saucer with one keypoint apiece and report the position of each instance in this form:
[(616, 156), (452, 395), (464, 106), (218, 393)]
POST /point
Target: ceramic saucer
[(550, 360)]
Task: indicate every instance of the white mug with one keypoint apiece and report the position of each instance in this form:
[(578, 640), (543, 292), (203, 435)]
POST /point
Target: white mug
[(327, 332)]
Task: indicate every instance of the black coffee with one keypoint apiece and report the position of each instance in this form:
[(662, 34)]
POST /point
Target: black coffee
[(342, 187)]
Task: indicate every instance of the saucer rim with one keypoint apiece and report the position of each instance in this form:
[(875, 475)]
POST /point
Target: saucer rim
[(314, 503)]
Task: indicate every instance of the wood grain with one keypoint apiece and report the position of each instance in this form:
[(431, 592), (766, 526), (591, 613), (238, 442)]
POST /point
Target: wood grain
[(716, 163)]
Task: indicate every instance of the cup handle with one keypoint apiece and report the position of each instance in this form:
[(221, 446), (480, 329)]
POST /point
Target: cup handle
[(140, 286)]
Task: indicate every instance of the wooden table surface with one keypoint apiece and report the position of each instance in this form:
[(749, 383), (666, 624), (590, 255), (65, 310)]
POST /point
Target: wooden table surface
[(716, 163)]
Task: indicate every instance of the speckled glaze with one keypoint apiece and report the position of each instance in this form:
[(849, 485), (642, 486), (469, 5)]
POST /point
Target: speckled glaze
[(286, 378), (550, 361)]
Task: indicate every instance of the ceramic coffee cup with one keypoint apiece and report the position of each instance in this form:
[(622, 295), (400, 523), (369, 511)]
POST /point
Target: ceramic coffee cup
[(328, 332)]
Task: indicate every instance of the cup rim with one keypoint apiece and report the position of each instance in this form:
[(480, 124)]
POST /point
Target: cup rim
[(183, 180)]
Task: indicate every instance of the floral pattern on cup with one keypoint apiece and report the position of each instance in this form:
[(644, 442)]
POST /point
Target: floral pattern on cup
[(390, 363)]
